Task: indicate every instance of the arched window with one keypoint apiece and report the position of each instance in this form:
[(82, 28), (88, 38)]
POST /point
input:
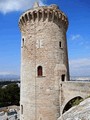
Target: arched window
[(39, 71)]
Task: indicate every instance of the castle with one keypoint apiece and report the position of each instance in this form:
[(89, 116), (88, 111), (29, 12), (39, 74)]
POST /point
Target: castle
[(45, 86)]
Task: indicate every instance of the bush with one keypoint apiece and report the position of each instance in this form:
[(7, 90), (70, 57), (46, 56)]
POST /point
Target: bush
[(10, 95)]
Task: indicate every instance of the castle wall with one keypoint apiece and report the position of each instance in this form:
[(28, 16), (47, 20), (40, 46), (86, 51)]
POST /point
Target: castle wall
[(72, 89), (43, 44), (43, 92)]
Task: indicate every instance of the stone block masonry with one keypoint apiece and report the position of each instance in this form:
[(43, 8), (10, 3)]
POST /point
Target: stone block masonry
[(44, 61)]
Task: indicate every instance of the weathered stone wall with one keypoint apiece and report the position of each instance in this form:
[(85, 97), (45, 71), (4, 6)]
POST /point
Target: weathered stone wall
[(43, 31), (78, 112), (72, 89), (41, 37)]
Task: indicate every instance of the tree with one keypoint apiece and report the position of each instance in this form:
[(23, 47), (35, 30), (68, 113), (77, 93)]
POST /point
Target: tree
[(10, 95)]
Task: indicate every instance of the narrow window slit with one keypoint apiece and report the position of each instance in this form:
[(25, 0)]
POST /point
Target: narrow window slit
[(21, 109), (60, 45), (23, 42)]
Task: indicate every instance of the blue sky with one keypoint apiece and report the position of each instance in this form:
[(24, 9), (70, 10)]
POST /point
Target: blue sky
[(78, 34)]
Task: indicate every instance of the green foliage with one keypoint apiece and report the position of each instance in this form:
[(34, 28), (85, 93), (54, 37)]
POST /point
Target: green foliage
[(73, 102), (10, 95), (87, 97)]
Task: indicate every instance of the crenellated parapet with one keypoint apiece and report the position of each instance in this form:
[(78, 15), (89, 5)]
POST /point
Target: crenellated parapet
[(50, 13)]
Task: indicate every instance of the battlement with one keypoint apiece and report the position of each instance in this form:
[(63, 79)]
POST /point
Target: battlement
[(42, 13)]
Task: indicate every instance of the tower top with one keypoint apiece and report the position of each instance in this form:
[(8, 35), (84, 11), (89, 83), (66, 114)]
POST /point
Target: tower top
[(50, 13), (36, 4)]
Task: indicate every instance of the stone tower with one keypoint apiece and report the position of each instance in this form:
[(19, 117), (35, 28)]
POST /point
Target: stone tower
[(44, 61)]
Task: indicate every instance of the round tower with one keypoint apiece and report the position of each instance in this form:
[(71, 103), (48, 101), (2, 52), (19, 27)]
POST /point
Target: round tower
[(44, 61)]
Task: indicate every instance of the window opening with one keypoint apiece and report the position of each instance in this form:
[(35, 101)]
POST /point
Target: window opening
[(39, 71), (22, 41), (21, 109), (63, 77), (60, 44)]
